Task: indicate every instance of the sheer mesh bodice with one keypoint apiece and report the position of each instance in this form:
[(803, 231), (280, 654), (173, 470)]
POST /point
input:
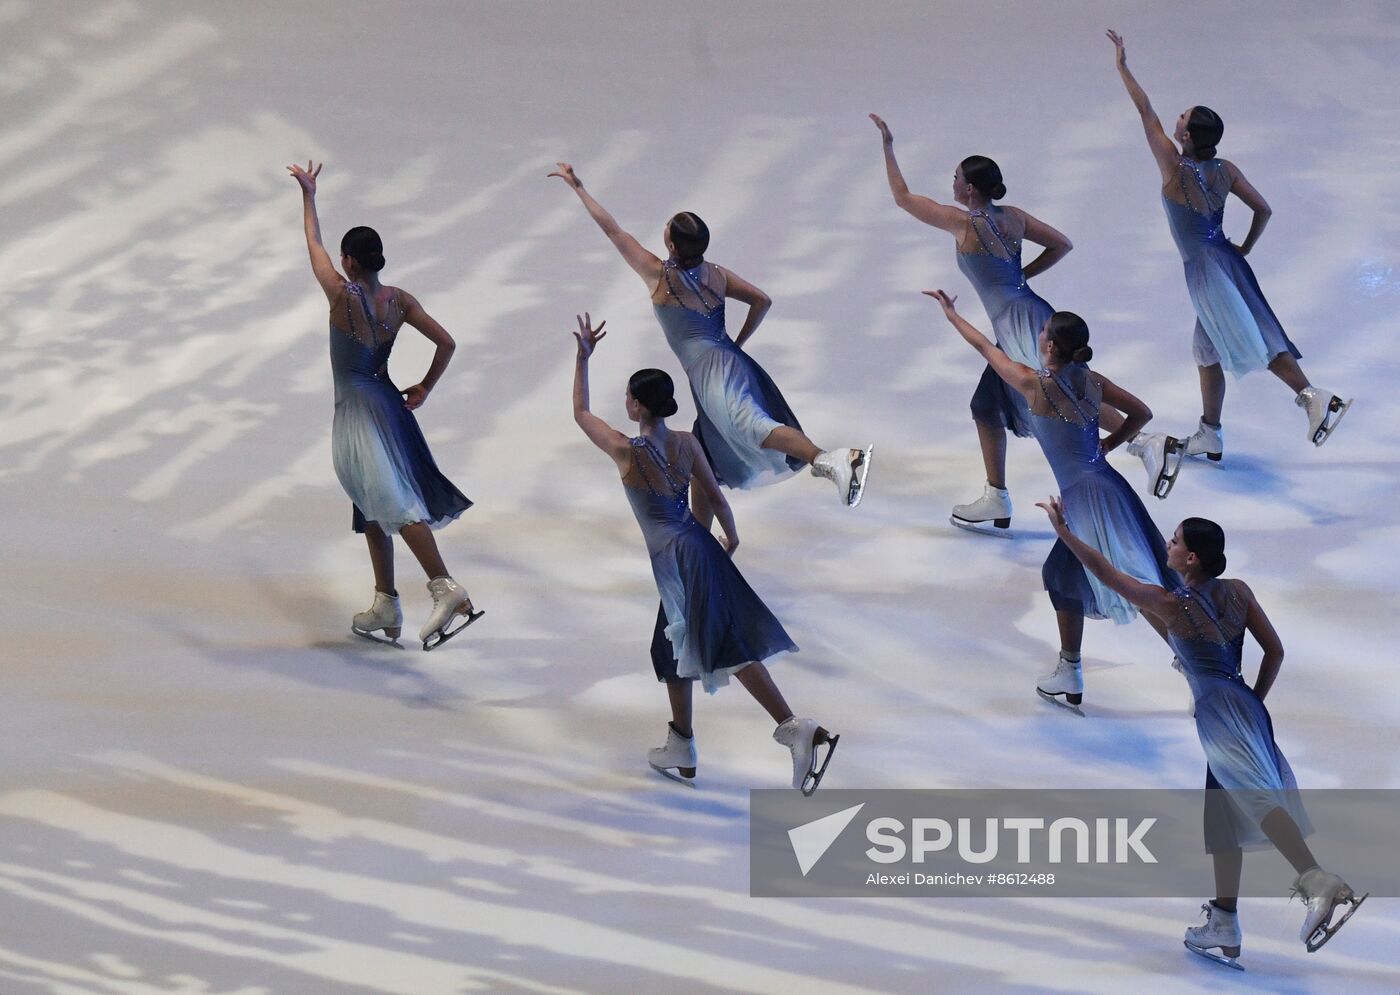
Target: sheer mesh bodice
[(996, 235), (1071, 395), (1205, 629), (1065, 420), (699, 289), (370, 325), (657, 485), (1195, 200)]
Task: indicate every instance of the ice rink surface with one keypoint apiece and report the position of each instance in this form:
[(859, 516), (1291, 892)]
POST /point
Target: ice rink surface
[(207, 785)]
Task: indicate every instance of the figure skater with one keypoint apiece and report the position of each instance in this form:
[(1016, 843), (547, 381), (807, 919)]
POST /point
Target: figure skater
[(1063, 397), (715, 623), (747, 431), (1235, 328), (988, 240), (379, 452), (1205, 619)]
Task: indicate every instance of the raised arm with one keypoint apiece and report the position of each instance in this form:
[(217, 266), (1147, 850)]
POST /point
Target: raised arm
[(1263, 632), (1019, 376), (1163, 149), (1137, 413), (1255, 201), (740, 289), (599, 432), (926, 209), (703, 479), (1149, 597), (1057, 246), (321, 264), (415, 317), (643, 261)]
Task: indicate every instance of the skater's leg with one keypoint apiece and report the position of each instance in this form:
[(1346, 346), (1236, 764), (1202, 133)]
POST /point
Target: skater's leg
[(419, 538), (700, 506), (1228, 865), (1283, 833), (792, 442), (381, 557), (1212, 393), (679, 691), (1286, 368), (1071, 632), (759, 683), (993, 441)]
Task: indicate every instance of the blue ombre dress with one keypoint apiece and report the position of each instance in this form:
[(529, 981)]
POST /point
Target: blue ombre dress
[(1101, 509), (1207, 635), (1017, 314), (1235, 326), (379, 452), (715, 623), (737, 404)]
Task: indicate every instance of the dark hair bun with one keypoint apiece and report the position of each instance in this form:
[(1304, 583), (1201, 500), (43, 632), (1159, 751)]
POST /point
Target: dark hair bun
[(984, 175), (1206, 540), (363, 245), (655, 391), (1082, 355), (1069, 337)]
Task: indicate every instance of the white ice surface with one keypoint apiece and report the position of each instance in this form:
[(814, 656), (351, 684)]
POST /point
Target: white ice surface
[(207, 786)]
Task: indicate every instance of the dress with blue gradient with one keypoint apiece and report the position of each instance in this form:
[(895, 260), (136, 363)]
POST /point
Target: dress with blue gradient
[(714, 622), (1235, 326), (380, 455)]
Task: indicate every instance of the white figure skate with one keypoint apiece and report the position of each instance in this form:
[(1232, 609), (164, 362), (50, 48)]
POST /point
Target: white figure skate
[(1162, 456), (848, 469), (1325, 411), (989, 515), (1322, 893), (1219, 939), (1208, 441), (449, 601), (803, 737), (1066, 679), (677, 759), (385, 616)]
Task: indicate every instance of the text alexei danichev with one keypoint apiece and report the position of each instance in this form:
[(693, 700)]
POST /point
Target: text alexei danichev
[(955, 878)]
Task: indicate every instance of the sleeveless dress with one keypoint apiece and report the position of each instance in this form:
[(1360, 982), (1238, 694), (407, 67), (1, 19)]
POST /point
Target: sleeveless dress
[(1235, 326), (1207, 634), (715, 623), (1017, 314), (1101, 508), (737, 404), (380, 455)]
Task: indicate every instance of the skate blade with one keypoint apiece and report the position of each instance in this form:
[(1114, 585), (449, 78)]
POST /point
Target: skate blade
[(1211, 955), (981, 528), (381, 640), (861, 473), (671, 776), (1172, 460), (1329, 424), (813, 779), (1054, 699), (436, 639), (1322, 934)]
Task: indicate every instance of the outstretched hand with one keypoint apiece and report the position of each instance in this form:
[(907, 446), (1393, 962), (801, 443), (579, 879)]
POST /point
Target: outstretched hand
[(306, 177), (1117, 40), (566, 173), (1055, 511), (884, 129), (588, 336), (947, 302)]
